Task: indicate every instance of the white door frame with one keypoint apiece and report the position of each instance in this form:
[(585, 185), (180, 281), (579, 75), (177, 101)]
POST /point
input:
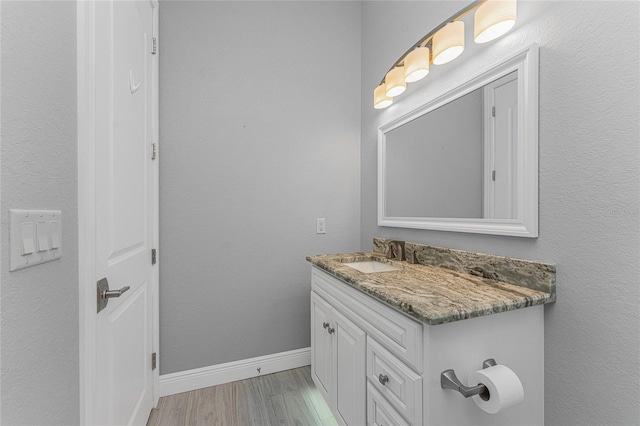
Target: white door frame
[(86, 208)]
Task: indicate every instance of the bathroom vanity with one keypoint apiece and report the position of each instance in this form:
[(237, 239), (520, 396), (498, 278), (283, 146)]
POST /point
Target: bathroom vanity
[(382, 335)]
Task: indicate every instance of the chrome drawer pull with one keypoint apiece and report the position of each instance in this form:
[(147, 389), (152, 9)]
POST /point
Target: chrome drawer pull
[(383, 379)]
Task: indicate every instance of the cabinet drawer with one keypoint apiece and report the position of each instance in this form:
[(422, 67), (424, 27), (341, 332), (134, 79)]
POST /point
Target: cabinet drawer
[(397, 332), (379, 412), (399, 385)]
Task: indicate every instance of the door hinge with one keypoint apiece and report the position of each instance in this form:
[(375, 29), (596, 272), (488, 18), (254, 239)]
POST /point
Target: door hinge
[(153, 256), (154, 151), (493, 111), (154, 361), (493, 175), (154, 46)]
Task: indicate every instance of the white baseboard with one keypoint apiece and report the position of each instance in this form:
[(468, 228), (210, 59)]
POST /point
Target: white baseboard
[(185, 381)]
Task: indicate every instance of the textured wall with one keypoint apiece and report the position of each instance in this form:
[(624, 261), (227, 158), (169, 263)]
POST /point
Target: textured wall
[(40, 305), (260, 135), (589, 183)]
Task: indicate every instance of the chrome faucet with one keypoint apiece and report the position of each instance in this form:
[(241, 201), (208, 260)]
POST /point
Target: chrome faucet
[(412, 257), (396, 250)]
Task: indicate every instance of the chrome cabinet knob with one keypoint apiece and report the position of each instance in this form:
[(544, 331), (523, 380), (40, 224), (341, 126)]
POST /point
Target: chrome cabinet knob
[(325, 325), (331, 330), (383, 379)]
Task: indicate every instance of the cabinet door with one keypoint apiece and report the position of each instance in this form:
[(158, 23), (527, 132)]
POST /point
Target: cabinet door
[(349, 354), (320, 345), (380, 412)]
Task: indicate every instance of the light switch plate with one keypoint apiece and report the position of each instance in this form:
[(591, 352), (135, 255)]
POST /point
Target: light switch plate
[(34, 237)]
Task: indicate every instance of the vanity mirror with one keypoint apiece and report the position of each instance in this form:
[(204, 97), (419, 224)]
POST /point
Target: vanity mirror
[(467, 161)]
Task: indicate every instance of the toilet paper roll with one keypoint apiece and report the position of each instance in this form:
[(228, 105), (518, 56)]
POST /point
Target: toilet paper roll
[(505, 388)]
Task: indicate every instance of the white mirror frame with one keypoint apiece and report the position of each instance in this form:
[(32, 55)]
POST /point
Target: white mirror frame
[(525, 224)]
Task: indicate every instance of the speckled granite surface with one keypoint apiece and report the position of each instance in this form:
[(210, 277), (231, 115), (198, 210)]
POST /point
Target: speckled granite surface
[(432, 294)]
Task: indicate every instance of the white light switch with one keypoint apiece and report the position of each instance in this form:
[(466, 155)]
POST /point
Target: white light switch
[(55, 234), (26, 233), (42, 232), (34, 237)]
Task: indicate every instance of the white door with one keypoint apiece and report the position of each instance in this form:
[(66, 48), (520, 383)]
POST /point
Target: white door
[(501, 127), (124, 209), (350, 385)]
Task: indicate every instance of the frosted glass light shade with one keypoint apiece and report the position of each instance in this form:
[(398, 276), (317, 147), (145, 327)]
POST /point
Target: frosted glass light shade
[(395, 82), (380, 98), (416, 65), (448, 42), (493, 19)]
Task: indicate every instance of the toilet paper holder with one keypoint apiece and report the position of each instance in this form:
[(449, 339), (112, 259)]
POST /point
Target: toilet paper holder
[(449, 380)]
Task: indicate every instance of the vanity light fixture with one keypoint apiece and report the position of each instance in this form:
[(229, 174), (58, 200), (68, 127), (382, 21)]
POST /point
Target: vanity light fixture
[(448, 42), (416, 64), (380, 98), (492, 19), (395, 82)]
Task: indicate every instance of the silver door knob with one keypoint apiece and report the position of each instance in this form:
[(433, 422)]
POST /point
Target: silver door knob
[(108, 294), (104, 294)]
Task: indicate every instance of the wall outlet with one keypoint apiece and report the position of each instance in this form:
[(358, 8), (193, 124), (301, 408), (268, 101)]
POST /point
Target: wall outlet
[(321, 227)]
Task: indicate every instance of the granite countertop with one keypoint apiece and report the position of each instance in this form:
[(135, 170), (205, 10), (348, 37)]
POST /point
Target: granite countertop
[(433, 294)]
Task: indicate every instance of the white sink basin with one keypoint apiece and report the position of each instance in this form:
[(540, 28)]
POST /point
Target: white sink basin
[(370, 266)]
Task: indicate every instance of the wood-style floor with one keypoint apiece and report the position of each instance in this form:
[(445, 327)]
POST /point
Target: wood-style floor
[(285, 398)]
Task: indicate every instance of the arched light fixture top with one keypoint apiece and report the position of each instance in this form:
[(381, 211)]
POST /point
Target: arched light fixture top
[(444, 43)]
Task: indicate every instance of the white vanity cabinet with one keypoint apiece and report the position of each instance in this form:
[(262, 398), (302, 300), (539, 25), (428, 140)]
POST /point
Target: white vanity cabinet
[(377, 366), (363, 381), (338, 347)]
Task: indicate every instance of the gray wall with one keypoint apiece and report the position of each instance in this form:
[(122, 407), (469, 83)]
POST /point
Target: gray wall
[(260, 135), (39, 370), (589, 183)]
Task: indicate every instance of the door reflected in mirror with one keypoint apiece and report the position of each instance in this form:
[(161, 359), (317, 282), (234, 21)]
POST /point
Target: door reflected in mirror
[(467, 161)]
